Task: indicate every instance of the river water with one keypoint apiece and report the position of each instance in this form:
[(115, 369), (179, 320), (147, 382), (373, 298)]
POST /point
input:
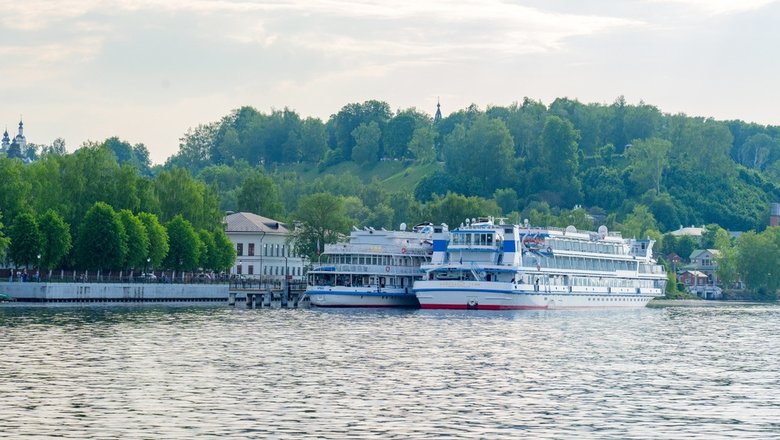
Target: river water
[(208, 371)]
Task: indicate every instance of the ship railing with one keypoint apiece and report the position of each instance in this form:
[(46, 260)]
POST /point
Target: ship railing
[(368, 269), (531, 230), (654, 269), (410, 249)]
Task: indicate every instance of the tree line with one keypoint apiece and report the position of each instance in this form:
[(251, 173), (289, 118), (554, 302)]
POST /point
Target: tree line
[(88, 210), (608, 158)]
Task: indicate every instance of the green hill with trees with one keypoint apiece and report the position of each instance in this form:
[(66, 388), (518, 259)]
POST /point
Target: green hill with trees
[(631, 167)]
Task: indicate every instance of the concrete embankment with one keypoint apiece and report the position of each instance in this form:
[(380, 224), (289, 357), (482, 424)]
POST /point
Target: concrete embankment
[(114, 292)]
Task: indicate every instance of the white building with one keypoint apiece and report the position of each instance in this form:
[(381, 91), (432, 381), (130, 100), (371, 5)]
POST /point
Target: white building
[(263, 248)]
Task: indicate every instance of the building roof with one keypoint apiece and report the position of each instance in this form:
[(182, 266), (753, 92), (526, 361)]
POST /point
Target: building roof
[(692, 230), (696, 273), (248, 222), (698, 252)]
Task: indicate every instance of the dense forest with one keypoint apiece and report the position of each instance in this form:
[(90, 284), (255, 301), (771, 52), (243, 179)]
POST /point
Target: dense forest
[(631, 167), (608, 159)]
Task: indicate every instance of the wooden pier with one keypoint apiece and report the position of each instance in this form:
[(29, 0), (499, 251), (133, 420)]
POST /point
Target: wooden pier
[(259, 298)]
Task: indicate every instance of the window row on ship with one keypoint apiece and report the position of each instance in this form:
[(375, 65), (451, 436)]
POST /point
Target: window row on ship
[(375, 260), (476, 239), (560, 280), (580, 263), (359, 280), (599, 247)]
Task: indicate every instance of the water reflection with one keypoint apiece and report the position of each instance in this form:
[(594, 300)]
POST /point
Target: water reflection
[(183, 372)]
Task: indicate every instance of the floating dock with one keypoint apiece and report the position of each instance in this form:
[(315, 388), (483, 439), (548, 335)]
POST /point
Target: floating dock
[(268, 298)]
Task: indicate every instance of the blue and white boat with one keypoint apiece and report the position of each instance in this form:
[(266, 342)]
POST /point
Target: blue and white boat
[(483, 265), (374, 268)]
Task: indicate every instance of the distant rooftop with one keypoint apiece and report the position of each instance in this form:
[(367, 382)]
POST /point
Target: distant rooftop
[(692, 230), (248, 222)]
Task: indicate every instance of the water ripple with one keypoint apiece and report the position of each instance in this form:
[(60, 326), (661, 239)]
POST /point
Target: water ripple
[(217, 372)]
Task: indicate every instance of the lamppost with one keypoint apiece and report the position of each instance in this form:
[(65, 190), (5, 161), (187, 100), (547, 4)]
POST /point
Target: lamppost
[(38, 269), (239, 275), (262, 254), (286, 281)]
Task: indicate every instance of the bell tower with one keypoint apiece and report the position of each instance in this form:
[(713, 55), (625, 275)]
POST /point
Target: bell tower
[(6, 140)]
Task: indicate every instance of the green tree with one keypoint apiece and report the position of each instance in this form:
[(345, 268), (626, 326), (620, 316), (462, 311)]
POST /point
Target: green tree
[(184, 250), (46, 190), (398, 134), (56, 241), (57, 147), (101, 242), (714, 236), (4, 241), (353, 115), (640, 223), (381, 216), (314, 140), (728, 265), (14, 188), (259, 194), (208, 256), (454, 209), (758, 260), (405, 209), (507, 199), (576, 217), (685, 246), (649, 158), (667, 245), (757, 150), (480, 157), (225, 251), (195, 148), (158, 239), (603, 187), (366, 149), (554, 163), (422, 145), (180, 194), (137, 240), (25, 238), (323, 220), (665, 211)]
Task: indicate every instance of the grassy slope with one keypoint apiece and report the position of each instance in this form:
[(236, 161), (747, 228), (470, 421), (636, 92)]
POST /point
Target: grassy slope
[(396, 175)]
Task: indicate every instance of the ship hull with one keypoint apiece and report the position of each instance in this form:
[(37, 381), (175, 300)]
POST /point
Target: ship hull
[(464, 295), (362, 298)]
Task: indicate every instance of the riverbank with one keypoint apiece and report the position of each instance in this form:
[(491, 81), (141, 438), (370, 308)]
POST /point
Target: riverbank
[(658, 303), (114, 292)]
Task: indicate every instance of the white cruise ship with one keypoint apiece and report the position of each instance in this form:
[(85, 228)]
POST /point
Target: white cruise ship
[(375, 268), (508, 267)]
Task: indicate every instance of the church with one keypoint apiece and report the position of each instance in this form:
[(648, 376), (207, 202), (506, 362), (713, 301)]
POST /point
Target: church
[(15, 147)]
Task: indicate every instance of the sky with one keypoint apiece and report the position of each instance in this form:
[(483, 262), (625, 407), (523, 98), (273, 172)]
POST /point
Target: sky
[(147, 71)]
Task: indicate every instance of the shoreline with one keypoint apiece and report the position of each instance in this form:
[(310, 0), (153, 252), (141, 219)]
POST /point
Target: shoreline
[(660, 303)]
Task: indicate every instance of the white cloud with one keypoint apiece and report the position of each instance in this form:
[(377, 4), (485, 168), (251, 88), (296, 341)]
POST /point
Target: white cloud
[(720, 7)]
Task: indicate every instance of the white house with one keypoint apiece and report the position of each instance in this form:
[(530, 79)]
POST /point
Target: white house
[(263, 248)]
